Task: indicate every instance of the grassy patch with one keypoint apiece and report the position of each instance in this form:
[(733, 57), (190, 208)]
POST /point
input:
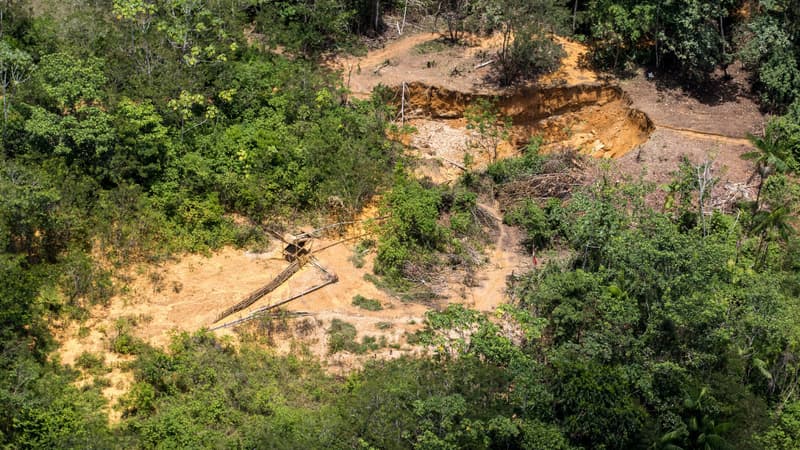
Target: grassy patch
[(342, 337), (434, 46), (92, 363), (370, 304)]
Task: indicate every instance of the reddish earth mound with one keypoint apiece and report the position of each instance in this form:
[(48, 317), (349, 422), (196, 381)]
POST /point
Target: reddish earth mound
[(594, 118)]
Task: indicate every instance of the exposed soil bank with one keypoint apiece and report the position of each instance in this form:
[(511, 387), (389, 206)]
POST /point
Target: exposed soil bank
[(595, 118)]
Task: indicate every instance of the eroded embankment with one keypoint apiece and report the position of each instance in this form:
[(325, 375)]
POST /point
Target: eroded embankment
[(594, 118)]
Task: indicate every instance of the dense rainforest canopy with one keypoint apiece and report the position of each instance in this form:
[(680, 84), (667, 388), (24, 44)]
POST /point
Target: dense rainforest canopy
[(136, 130)]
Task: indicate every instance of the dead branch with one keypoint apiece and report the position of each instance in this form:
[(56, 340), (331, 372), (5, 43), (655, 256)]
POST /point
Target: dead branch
[(341, 242), (460, 166), (542, 186), (384, 64)]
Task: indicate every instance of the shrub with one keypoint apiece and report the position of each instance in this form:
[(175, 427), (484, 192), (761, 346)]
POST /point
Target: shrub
[(341, 337), (124, 342), (535, 222), (370, 304), (412, 229), (530, 163), (91, 362)]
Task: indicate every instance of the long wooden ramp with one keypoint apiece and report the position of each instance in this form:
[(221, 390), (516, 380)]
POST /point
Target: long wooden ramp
[(266, 309), (290, 270)]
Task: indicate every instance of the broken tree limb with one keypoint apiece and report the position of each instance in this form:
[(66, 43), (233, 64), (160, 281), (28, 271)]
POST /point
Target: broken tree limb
[(460, 166), (484, 64), (340, 242), (329, 275), (315, 232), (539, 187), (384, 64), (277, 314)]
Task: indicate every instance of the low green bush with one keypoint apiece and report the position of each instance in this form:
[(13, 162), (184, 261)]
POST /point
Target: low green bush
[(370, 304)]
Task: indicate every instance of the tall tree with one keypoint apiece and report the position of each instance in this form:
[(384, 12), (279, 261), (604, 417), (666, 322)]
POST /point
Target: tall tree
[(15, 69), (770, 156)]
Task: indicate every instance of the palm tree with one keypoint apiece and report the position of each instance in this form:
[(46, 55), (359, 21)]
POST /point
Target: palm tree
[(771, 156), (701, 432), (778, 220)]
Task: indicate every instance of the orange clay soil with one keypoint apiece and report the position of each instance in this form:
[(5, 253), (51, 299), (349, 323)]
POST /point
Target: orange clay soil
[(187, 295)]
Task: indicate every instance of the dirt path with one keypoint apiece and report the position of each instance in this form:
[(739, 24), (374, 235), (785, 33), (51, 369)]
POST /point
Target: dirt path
[(376, 58), (505, 259), (705, 135)]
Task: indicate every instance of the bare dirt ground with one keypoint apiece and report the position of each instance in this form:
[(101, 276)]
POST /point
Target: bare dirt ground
[(428, 59), (422, 57), (723, 108), (712, 124), (187, 295), (576, 107)]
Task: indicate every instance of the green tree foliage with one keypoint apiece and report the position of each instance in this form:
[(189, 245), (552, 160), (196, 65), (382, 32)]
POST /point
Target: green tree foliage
[(35, 219), (785, 434), (143, 146), (310, 27), (528, 48), (533, 219), (203, 393), (770, 47), (489, 125), (15, 68), (690, 36), (135, 128), (138, 128), (41, 406), (782, 139), (71, 121), (412, 229), (508, 169)]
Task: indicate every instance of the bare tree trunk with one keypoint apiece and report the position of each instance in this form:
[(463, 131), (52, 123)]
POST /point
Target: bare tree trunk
[(403, 106), (403, 27), (377, 14), (575, 16), (760, 185), (724, 44), (658, 16), (705, 182)]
